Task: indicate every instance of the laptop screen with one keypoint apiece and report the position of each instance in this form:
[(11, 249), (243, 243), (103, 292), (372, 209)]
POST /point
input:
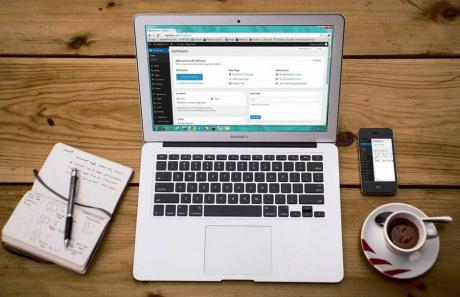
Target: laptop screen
[(239, 78)]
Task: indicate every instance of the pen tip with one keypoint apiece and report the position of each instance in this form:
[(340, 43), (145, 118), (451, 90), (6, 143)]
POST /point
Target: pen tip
[(66, 243)]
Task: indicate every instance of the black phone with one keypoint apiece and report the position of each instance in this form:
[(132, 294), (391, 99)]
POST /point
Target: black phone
[(377, 161)]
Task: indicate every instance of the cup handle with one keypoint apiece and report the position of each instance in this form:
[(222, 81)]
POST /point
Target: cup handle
[(431, 233)]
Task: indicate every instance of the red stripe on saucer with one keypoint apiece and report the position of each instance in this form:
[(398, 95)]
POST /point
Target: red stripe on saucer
[(376, 261), (366, 246), (396, 271)]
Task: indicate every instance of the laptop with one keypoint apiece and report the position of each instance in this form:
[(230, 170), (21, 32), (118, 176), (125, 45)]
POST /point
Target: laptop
[(239, 175)]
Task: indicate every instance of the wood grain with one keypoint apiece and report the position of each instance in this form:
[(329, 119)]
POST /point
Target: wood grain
[(93, 104), (104, 27), (111, 272)]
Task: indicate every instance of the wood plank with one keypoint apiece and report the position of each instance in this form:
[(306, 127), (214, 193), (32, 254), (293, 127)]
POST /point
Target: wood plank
[(77, 27), (111, 271), (93, 104)]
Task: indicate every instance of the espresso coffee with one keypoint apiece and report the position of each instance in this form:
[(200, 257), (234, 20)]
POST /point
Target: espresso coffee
[(403, 233)]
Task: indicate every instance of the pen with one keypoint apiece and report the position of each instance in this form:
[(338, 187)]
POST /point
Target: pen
[(70, 204)]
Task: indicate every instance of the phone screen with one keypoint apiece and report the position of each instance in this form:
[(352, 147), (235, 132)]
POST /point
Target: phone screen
[(377, 160)]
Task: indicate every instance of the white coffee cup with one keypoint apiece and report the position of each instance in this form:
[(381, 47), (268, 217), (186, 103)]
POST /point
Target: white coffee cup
[(423, 232)]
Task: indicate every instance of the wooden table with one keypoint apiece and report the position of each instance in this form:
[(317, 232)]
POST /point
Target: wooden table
[(68, 74)]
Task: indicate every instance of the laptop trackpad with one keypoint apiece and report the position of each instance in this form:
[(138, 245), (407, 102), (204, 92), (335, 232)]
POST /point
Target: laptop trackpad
[(238, 250)]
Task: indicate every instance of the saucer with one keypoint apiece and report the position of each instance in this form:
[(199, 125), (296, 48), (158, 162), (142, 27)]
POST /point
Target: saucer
[(390, 263)]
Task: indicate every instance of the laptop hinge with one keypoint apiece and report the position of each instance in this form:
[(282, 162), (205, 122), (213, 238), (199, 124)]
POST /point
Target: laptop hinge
[(240, 144)]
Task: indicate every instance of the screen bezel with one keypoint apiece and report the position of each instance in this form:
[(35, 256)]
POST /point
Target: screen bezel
[(378, 187), (142, 20)]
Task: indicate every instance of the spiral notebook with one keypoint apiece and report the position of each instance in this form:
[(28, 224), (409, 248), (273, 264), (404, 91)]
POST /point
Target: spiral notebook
[(36, 227)]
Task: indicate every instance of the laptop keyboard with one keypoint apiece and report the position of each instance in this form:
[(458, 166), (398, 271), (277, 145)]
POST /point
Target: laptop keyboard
[(220, 185)]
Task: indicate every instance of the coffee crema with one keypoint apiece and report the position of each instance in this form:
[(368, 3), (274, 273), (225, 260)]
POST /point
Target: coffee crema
[(403, 233)]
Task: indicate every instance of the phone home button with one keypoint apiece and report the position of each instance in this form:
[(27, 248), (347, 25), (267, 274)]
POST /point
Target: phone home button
[(379, 187)]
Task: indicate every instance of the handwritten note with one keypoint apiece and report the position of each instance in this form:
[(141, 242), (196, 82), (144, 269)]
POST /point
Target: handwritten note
[(100, 183)]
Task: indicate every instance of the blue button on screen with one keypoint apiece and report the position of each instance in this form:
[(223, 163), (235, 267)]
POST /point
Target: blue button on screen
[(189, 76), (255, 117)]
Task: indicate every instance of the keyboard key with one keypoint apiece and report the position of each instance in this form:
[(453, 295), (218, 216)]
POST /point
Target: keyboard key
[(294, 177), (274, 188), (215, 188), (295, 214), (195, 210), (224, 176), (280, 199), (235, 176), (264, 166), (213, 176), (221, 199), (268, 199), (238, 188), (158, 210), (207, 166), (262, 188), (319, 214), (299, 166), (251, 188), (170, 210), (232, 199), (227, 187), (256, 199), (209, 198), (219, 166), (178, 176), (317, 158), (311, 199), (186, 157), (269, 157), (221, 157), (166, 198), (164, 187), (285, 188), (232, 210), (163, 176), (173, 157), (288, 166), (230, 166), (233, 157), (283, 211), (180, 187), (197, 198), (248, 177), (307, 211), (292, 199), (282, 177), (161, 165), (306, 177), (257, 157), (305, 157), (195, 166), (203, 187), (253, 166), (162, 157), (315, 166), (297, 188), (197, 157), (173, 165), (277, 166), (245, 199), (314, 188), (245, 157), (281, 157), (259, 177), (242, 166), (269, 211), (318, 177), (182, 210), (184, 165), (201, 176), (185, 198), (271, 177), (293, 157), (209, 157)]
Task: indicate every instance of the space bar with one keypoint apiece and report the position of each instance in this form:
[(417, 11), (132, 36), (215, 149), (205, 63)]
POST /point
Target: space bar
[(233, 210)]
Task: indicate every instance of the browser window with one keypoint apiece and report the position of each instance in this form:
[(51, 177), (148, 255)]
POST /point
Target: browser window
[(239, 78)]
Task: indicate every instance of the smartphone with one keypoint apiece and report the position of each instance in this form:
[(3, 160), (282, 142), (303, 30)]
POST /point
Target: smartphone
[(377, 161)]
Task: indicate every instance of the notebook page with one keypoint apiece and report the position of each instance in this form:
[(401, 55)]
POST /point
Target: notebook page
[(100, 183), (38, 221)]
